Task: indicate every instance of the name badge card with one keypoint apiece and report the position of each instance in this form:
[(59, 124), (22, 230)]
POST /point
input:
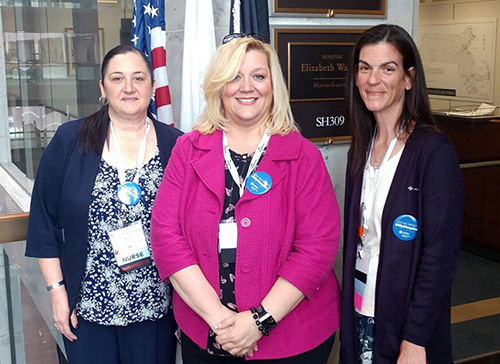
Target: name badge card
[(130, 247), (361, 273), (228, 236)]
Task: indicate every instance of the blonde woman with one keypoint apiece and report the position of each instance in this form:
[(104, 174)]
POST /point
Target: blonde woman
[(246, 223)]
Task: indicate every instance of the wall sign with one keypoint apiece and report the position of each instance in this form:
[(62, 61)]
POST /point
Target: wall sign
[(331, 8), (314, 62)]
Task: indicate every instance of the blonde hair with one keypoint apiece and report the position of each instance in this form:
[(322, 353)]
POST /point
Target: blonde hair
[(224, 67)]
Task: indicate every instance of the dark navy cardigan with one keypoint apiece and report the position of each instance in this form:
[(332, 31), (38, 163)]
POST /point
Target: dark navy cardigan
[(413, 290), (58, 223)]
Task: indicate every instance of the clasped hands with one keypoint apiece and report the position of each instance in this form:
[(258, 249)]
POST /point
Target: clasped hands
[(238, 334)]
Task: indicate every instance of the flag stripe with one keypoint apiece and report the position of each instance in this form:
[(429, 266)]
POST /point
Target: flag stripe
[(235, 17), (164, 112), (148, 35), (163, 96), (157, 38), (161, 77), (159, 57)]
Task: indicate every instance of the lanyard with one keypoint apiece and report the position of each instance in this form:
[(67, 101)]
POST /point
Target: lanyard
[(364, 215), (118, 157), (264, 141)]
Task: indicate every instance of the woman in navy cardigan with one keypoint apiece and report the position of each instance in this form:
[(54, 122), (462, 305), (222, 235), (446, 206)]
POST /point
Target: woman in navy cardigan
[(93, 195), (403, 210)]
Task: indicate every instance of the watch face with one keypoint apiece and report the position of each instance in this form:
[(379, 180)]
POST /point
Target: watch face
[(268, 323)]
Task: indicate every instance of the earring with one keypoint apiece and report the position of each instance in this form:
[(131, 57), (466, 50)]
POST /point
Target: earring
[(103, 101)]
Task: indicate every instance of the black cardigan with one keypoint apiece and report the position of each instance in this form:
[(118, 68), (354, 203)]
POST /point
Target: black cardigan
[(413, 290)]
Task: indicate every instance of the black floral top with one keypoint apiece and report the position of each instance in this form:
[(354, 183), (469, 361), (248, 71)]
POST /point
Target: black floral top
[(108, 295), (227, 257)]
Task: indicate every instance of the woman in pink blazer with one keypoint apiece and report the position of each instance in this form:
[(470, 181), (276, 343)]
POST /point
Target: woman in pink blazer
[(246, 225)]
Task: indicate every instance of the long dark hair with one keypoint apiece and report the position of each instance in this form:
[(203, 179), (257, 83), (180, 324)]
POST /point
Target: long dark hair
[(94, 128), (416, 111)]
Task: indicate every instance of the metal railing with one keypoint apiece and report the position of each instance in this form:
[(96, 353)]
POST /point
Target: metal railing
[(479, 164), (13, 227)]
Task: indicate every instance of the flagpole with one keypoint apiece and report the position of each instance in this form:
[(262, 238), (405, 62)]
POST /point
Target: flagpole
[(199, 46)]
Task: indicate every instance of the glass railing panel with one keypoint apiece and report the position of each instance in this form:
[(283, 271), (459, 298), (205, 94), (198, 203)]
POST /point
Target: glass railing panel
[(27, 334)]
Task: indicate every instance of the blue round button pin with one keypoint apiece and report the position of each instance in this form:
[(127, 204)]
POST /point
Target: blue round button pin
[(129, 193), (259, 183), (405, 227)]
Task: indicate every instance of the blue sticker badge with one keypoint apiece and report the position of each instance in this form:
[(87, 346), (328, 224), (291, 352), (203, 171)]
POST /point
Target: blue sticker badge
[(259, 183), (405, 227), (129, 193)]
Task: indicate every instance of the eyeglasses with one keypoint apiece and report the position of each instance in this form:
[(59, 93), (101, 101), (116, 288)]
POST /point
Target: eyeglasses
[(257, 36)]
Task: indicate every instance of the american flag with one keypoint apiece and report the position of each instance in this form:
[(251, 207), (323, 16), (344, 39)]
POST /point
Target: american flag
[(148, 35)]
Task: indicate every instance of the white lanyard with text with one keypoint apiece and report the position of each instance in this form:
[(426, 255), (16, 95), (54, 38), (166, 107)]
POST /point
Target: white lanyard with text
[(364, 216), (129, 242), (230, 164), (118, 157)]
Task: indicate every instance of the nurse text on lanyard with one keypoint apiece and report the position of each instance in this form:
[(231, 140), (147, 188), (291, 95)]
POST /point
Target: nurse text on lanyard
[(130, 247)]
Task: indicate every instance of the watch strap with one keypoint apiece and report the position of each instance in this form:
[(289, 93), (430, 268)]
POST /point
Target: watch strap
[(264, 321), (55, 285)]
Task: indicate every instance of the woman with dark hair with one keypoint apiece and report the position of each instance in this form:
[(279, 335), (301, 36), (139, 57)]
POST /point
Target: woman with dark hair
[(403, 210), (90, 221)]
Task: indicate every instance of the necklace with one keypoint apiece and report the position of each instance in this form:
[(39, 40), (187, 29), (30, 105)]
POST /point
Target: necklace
[(378, 160)]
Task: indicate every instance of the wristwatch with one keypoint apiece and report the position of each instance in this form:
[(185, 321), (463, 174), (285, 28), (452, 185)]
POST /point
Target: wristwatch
[(55, 285), (264, 321)]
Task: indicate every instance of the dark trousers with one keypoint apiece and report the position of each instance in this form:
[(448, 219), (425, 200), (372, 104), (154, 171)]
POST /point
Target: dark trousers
[(193, 354), (147, 342)]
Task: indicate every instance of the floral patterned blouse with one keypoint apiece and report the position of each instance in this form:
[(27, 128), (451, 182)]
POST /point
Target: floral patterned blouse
[(109, 296)]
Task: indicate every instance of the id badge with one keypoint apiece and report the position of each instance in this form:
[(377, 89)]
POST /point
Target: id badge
[(228, 235), (130, 247), (361, 272)]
